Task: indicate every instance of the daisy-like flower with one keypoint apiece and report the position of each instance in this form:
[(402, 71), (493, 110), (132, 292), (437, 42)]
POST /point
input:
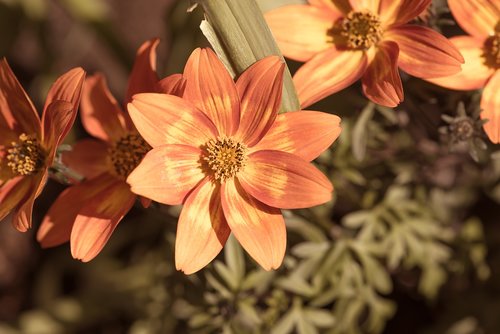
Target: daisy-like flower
[(87, 213), (225, 153), (342, 42), (481, 50), (27, 144)]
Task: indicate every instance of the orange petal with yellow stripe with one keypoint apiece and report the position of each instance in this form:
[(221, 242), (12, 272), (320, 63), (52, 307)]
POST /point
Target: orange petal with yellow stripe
[(260, 88), (327, 73), (425, 53), (166, 119), (16, 109), (305, 133), (381, 82), (68, 87), (477, 17), (475, 73), (337, 8), (211, 89), (371, 5), (143, 77), (12, 192), (97, 220), (173, 84), (58, 222), (301, 41), (259, 228), (397, 12), (490, 104), (202, 230), (167, 173), (101, 114), (284, 180)]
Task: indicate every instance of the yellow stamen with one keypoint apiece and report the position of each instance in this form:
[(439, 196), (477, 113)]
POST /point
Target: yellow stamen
[(26, 156), (361, 30), (126, 154), (225, 157)]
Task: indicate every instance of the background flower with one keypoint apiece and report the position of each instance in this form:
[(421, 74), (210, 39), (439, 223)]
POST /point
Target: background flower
[(481, 50), (28, 145), (88, 213), (367, 40)]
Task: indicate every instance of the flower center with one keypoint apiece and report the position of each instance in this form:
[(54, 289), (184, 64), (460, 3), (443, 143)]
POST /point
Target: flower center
[(463, 129), (225, 157), (26, 156), (492, 49), (361, 30), (127, 153)]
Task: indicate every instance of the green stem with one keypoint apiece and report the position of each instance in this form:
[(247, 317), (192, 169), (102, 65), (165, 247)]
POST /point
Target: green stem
[(239, 34)]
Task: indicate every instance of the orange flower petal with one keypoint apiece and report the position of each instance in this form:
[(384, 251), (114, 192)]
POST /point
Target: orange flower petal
[(328, 73), (23, 213), (143, 78), (162, 119), (68, 87), (57, 118), (98, 219), (284, 180), (477, 17), (302, 41), (166, 119), (397, 12), (371, 5), (176, 170), (16, 109), (381, 82), (101, 115), (305, 133), (475, 73), (173, 84), (425, 53), (490, 104), (12, 193), (210, 88), (260, 229), (88, 157), (202, 230), (337, 8), (58, 222), (260, 88)]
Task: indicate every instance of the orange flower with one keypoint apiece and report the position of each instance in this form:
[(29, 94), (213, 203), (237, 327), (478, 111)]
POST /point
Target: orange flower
[(88, 213), (367, 39), (481, 50), (225, 153), (27, 144)]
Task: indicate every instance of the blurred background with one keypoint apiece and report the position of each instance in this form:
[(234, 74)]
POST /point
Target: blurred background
[(410, 243)]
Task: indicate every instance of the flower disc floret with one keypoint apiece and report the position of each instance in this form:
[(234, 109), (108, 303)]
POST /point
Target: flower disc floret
[(492, 50), (126, 154), (225, 157), (26, 156), (361, 29)]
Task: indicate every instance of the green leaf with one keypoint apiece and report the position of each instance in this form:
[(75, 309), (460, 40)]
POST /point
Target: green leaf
[(360, 132), (234, 257), (320, 318)]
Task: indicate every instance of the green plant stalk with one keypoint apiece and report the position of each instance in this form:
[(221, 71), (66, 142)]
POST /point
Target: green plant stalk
[(239, 34)]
